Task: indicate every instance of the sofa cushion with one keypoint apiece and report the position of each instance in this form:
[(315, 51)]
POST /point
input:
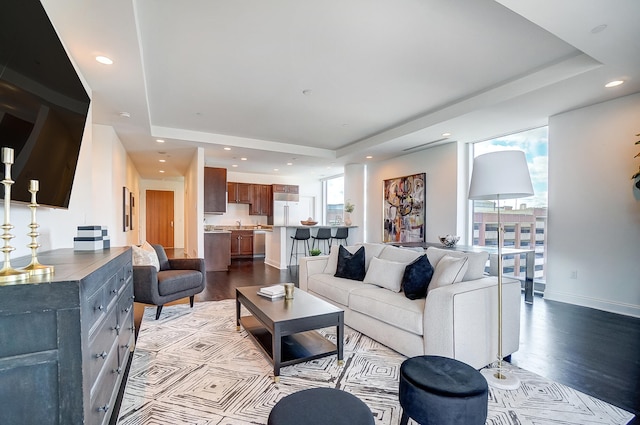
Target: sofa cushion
[(371, 250), (332, 288), (448, 271), (388, 307), (332, 261), (145, 255), (401, 255), (416, 278), (386, 274), (350, 266), (477, 261)]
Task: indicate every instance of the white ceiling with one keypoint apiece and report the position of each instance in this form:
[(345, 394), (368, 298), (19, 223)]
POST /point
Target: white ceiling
[(385, 76)]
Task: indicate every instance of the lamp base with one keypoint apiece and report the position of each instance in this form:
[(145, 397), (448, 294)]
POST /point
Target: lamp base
[(500, 379)]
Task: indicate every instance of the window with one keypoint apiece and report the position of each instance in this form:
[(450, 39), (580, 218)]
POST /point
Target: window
[(334, 200), (524, 219)]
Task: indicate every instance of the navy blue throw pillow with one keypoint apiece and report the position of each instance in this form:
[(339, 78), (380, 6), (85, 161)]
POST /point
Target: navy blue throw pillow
[(351, 266), (417, 277)]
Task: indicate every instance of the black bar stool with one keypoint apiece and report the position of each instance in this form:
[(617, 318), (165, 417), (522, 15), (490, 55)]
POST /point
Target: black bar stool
[(301, 235), (323, 237), (342, 233)]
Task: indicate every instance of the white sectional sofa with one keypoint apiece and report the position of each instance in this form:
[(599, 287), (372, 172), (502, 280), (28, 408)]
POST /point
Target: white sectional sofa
[(457, 320)]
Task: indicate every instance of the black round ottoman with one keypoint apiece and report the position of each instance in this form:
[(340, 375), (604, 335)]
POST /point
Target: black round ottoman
[(320, 406), (438, 390)]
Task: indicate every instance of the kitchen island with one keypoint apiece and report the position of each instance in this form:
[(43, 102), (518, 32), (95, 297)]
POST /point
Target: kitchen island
[(279, 241)]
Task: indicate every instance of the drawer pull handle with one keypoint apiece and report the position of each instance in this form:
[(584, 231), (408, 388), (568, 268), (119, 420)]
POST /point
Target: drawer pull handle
[(104, 408), (126, 345), (132, 297), (126, 310), (100, 307), (118, 370), (132, 328), (103, 355), (117, 329), (114, 291)]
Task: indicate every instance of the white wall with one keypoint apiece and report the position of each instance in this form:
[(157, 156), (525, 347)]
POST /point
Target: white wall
[(96, 198), (440, 165), (594, 210), (194, 206)]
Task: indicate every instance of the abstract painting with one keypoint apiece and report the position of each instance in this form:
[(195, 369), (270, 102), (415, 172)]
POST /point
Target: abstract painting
[(404, 209)]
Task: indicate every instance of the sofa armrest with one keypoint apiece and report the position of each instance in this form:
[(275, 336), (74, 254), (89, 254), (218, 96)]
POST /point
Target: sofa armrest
[(310, 266), (461, 320), (145, 284)]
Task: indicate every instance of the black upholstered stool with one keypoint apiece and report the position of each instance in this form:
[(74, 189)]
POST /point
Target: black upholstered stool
[(302, 235), (320, 406), (342, 233), (438, 390), (323, 235)]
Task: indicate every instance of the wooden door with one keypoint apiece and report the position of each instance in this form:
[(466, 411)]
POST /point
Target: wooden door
[(159, 222)]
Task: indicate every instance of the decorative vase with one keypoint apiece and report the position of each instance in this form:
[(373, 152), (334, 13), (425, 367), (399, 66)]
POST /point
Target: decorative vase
[(347, 219)]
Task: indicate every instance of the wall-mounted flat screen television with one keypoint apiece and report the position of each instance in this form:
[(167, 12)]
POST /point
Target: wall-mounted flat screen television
[(43, 104)]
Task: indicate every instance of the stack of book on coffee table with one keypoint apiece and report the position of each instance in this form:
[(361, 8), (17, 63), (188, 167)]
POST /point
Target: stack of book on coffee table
[(272, 292)]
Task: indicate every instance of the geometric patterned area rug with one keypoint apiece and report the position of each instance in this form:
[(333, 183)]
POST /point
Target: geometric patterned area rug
[(193, 367)]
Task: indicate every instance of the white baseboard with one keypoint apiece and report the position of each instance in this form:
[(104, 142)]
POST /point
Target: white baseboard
[(599, 304)]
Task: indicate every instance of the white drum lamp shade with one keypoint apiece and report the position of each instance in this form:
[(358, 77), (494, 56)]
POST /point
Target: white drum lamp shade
[(496, 176), (500, 175)]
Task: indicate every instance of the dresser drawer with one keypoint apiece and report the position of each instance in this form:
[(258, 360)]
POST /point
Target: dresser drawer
[(100, 346), (94, 309), (111, 290), (125, 274), (102, 391)]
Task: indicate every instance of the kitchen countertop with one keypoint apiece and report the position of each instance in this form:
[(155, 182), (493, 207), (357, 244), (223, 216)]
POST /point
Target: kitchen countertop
[(228, 229)]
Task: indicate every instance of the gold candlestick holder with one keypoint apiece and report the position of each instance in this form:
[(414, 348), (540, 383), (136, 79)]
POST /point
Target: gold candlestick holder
[(8, 274), (35, 268)]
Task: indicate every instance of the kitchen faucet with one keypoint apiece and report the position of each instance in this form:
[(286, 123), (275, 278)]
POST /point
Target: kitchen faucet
[(239, 223)]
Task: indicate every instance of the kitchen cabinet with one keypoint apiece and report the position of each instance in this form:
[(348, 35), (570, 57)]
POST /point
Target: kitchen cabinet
[(241, 243), (285, 188), (215, 189), (261, 200), (238, 193), (217, 251)]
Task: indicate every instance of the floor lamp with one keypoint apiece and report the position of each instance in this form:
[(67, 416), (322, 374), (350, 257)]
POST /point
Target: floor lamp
[(496, 176)]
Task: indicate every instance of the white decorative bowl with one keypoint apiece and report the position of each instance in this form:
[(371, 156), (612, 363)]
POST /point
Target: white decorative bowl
[(449, 241)]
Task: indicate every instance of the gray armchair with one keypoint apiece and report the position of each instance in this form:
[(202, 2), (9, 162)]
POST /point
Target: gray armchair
[(177, 278)]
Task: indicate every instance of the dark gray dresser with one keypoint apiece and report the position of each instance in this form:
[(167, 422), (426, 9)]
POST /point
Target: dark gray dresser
[(65, 340)]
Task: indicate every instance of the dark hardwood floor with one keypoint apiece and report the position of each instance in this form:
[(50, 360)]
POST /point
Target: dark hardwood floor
[(592, 351)]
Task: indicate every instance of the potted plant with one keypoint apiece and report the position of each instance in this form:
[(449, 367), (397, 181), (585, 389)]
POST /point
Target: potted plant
[(348, 209), (315, 252)]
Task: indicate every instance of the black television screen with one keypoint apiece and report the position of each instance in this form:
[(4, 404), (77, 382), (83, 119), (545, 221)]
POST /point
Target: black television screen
[(43, 104)]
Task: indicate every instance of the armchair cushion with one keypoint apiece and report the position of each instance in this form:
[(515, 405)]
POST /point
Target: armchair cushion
[(162, 257), (176, 281)]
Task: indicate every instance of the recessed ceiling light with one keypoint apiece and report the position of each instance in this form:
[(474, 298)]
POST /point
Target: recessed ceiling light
[(227, 149), (162, 160), (275, 169), (289, 163), (159, 140), (234, 165), (104, 60), (243, 159), (368, 157), (162, 171), (613, 83), (446, 134), (125, 114)]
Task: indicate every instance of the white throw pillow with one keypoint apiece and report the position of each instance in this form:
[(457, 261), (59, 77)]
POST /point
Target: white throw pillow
[(145, 256), (477, 261), (449, 270), (387, 274)]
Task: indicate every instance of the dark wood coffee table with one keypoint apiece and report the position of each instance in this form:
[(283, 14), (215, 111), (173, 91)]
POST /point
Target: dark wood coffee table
[(285, 330)]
